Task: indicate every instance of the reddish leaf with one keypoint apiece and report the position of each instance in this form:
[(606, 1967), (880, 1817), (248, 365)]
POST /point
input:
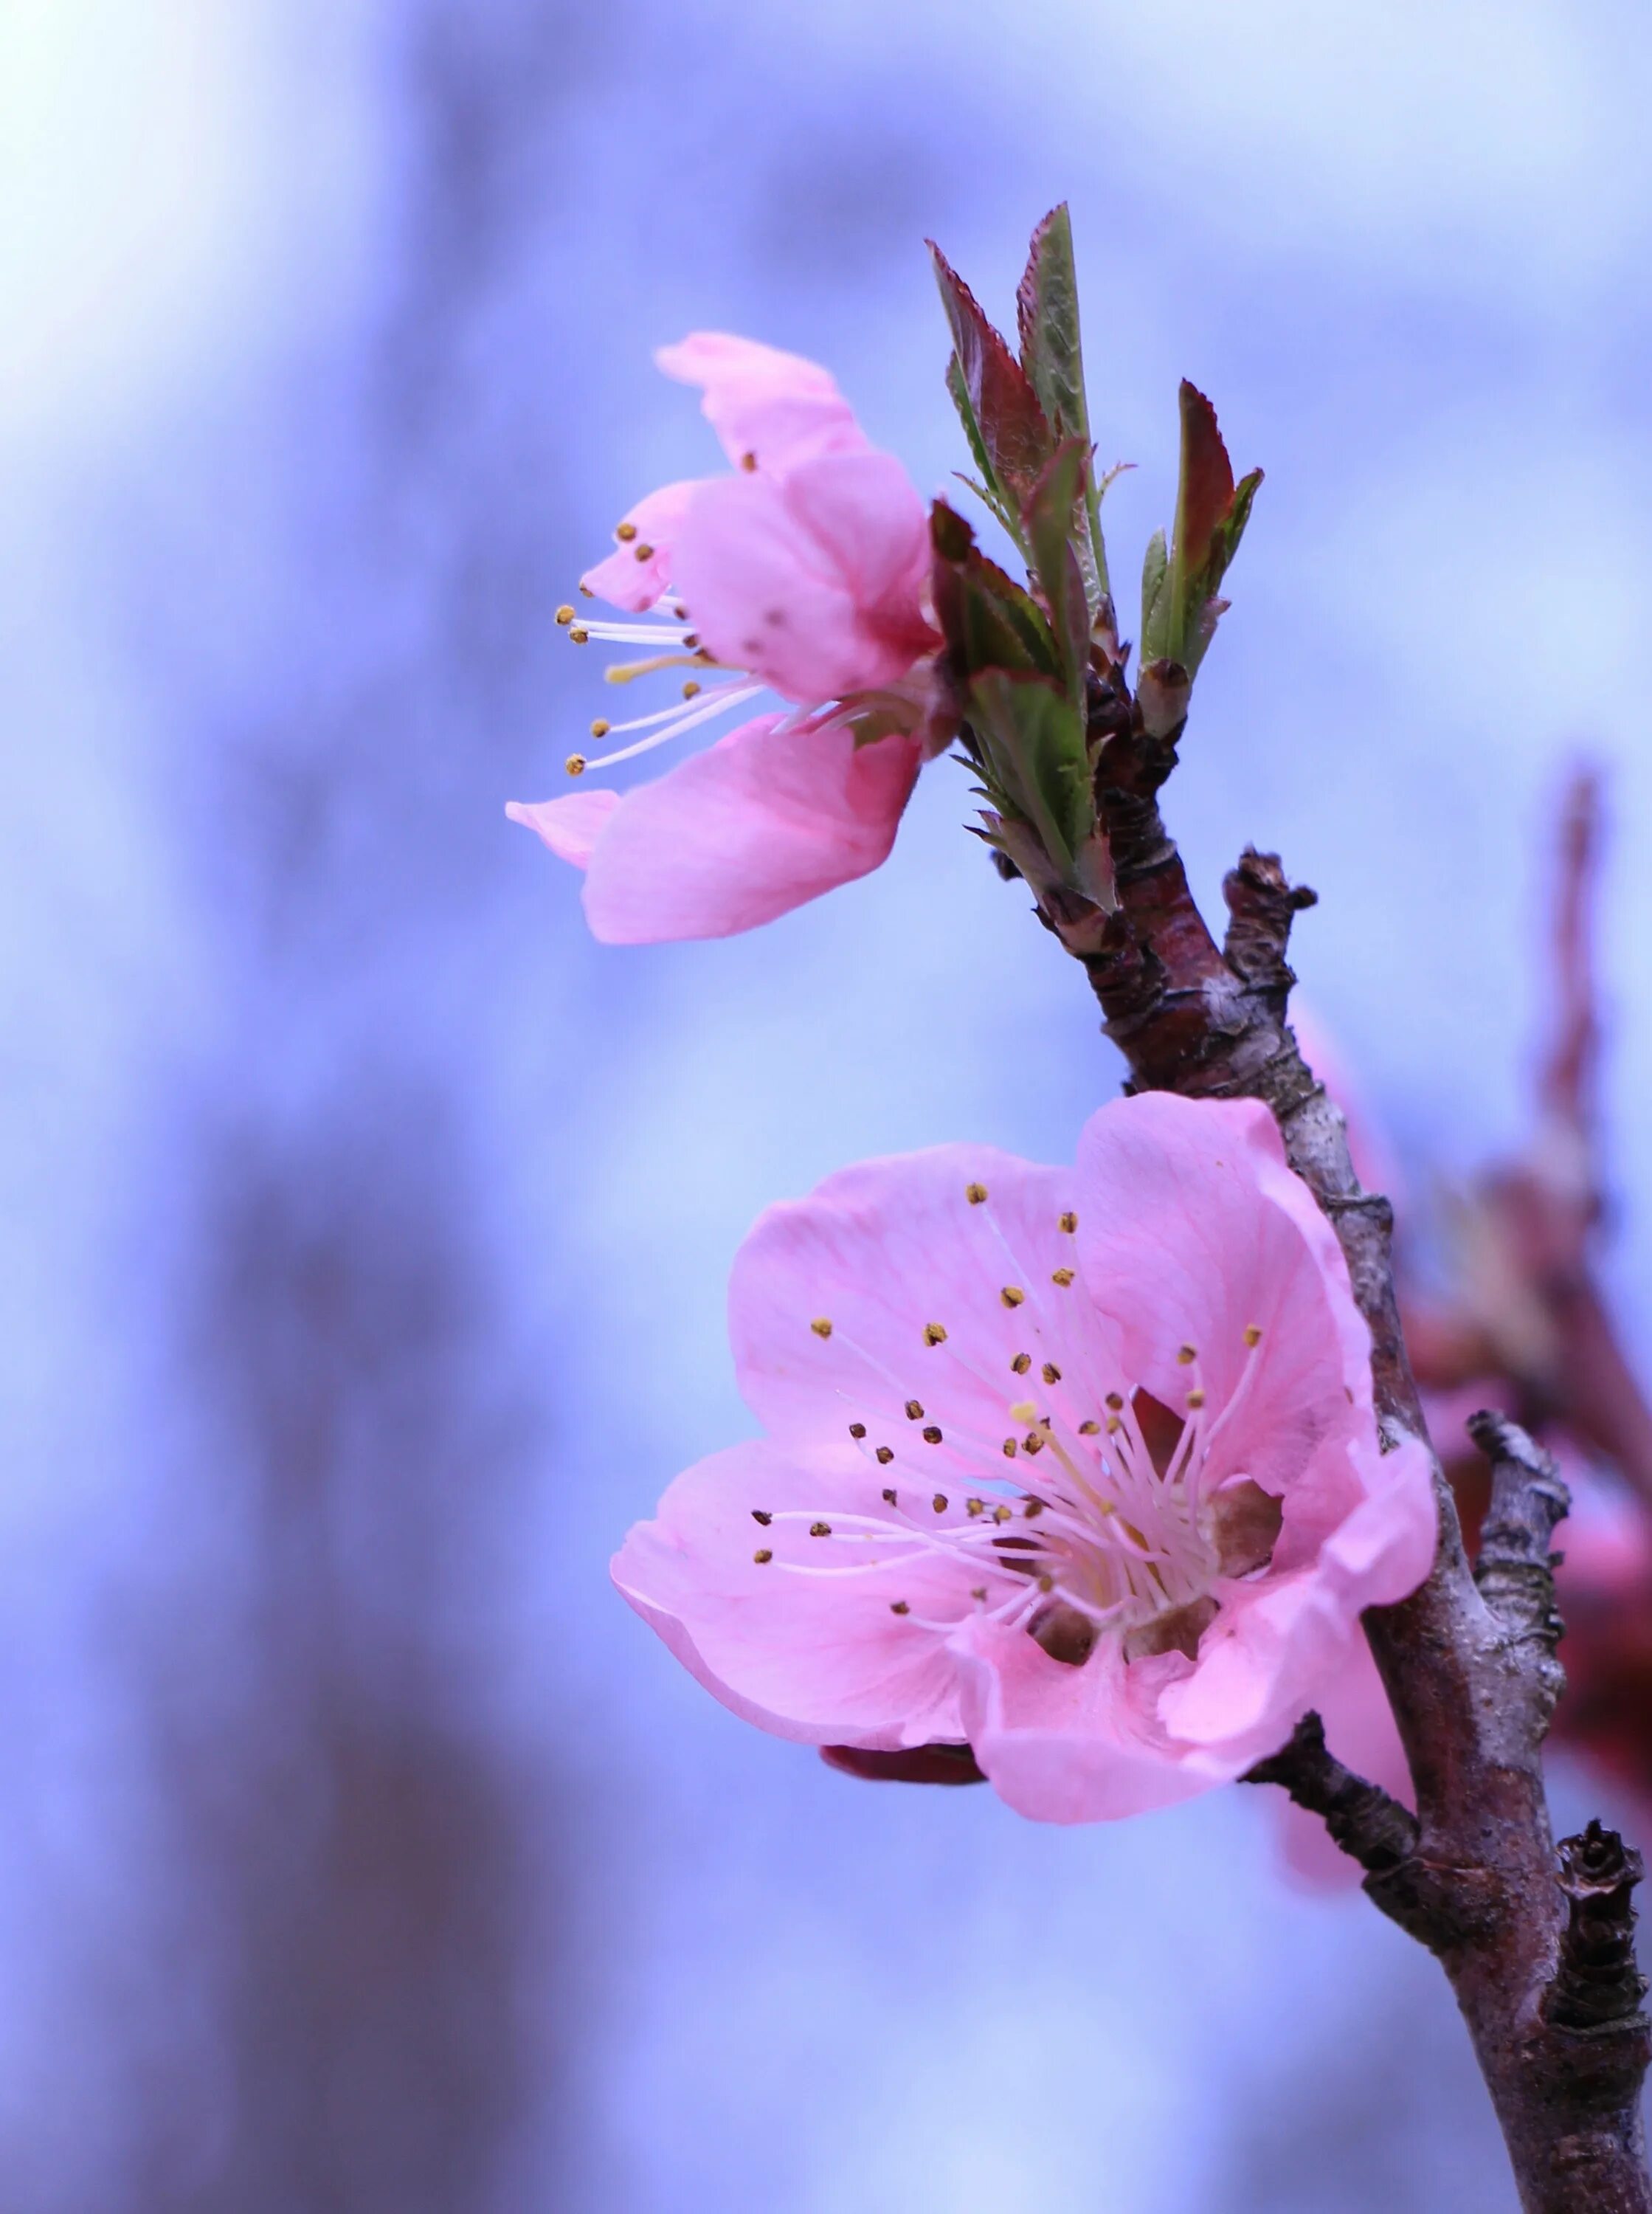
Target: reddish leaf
[(1017, 437), (1206, 490)]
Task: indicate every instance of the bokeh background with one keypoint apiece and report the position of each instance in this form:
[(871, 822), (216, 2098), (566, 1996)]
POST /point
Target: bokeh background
[(366, 1226)]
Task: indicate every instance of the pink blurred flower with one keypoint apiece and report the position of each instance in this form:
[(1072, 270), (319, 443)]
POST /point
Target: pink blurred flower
[(1075, 1467), (803, 573)]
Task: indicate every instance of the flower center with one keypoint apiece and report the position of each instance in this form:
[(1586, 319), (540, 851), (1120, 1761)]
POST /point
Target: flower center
[(1098, 1514)]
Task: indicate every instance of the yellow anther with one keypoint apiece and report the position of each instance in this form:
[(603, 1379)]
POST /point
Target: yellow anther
[(1062, 1276), (564, 614), (1021, 1363), (1252, 1333), (1001, 1513), (939, 1503), (586, 593), (690, 690), (1089, 1430), (1196, 1398), (1115, 1402), (819, 1529), (1047, 1583), (914, 1410), (973, 1507), (889, 1497), (1009, 1449), (748, 461), (1032, 1442), (858, 1429), (1012, 1295), (934, 1334), (885, 1454), (1069, 1222), (1114, 1426), (575, 764), (975, 1193), (761, 1514), (1185, 1354), (1033, 1509), (1051, 1375), (898, 1607), (822, 1326), (762, 1555), (977, 1591), (931, 1435), (599, 729), (644, 552), (624, 532), (579, 634)]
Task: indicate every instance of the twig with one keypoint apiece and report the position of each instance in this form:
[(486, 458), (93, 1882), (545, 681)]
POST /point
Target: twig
[(1369, 1826), (1469, 1672)]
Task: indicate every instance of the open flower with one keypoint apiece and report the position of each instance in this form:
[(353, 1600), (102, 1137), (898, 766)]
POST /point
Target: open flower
[(803, 573), (1077, 1467)]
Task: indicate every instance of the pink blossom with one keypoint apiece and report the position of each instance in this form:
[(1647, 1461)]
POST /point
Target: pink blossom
[(1361, 1730), (1076, 1466), (803, 573)]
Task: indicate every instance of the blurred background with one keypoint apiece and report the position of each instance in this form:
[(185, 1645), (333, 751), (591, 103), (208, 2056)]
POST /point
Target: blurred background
[(367, 1226)]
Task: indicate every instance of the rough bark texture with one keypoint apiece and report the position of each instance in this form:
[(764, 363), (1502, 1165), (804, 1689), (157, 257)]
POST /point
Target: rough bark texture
[(1469, 1665)]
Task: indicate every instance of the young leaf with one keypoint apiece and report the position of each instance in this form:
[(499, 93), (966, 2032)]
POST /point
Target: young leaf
[(1050, 518), (1211, 513), (1016, 438), (1156, 600), (1035, 736), (1205, 489), (988, 622), (1046, 314), (990, 491)]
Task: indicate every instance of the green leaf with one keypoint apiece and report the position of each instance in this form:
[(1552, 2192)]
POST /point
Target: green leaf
[(1051, 519), (961, 401), (1035, 738), (1016, 438), (1156, 600), (1053, 354)]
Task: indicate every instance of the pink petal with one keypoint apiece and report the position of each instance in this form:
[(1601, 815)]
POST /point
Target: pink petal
[(1280, 1638), (814, 584), (657, 520), (883, 1252), (819, 1659), (774, 408), (754, 826), (1060, 1744), (1192, 1231), (570, 827), (1361, 1730)]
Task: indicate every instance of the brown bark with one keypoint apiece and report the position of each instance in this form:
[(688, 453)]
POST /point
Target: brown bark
[(1469, 1667)]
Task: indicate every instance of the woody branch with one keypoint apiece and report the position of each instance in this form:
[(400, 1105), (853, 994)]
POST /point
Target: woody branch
[(1469, 1666)]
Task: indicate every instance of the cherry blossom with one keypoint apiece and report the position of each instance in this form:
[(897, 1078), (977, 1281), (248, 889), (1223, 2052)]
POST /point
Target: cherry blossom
[(801, 572), (1075, 1467)]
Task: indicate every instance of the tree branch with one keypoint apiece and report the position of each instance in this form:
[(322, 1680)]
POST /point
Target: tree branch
[(1369, 1826), (1469, 1668)]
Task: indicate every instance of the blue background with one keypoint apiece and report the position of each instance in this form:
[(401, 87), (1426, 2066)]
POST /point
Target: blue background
[(367, 1226)]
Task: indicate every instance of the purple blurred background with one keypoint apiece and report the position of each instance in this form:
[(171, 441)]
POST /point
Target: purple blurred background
[(367, 1225)]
